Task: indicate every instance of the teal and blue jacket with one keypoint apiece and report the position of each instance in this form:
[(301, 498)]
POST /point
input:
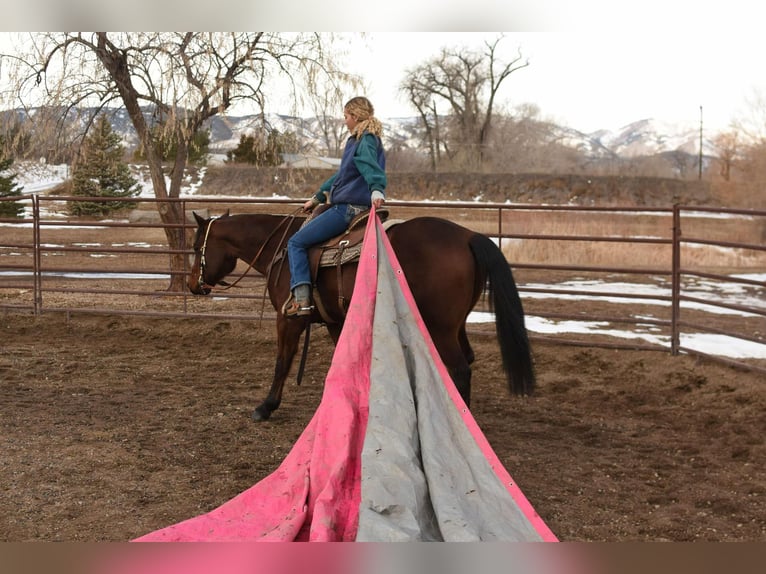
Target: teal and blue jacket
[(361, 171)]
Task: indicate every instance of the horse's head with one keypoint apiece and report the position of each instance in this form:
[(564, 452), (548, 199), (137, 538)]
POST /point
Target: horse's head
[(211, 261)]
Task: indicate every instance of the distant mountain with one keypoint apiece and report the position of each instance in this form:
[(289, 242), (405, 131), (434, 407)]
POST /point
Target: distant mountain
[(225, 131), (650, 137), (646, 137)]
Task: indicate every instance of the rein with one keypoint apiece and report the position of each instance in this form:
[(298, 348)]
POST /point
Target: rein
[(226, 287), (201, 278)]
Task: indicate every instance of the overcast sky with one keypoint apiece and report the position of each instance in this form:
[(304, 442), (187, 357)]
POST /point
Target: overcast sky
[(593, 63), (590, 81)]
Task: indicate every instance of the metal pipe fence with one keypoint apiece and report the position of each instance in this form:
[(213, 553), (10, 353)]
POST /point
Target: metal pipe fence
[(52, 262)]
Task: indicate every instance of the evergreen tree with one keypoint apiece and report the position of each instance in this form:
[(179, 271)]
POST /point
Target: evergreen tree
[(255, 150), (9, 188), (245, 152), (100, 172)]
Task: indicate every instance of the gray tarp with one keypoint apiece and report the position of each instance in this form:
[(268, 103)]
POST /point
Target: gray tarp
[(424, 476)]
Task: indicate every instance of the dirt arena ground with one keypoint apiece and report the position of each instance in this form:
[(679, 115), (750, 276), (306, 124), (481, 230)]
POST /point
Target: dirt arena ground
[(114, 426)]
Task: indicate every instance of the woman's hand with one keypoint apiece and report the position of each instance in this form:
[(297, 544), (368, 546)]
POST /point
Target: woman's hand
[(377, 198), (309, 206)]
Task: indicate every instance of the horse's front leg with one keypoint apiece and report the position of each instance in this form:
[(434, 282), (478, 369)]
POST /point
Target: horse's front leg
[(288, 335)]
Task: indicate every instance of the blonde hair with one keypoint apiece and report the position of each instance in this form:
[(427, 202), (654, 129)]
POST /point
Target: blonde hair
[(361, 109)]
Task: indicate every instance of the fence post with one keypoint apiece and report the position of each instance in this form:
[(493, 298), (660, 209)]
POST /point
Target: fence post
[(500, 227), (186, 257), (675, 336), (37, 281)]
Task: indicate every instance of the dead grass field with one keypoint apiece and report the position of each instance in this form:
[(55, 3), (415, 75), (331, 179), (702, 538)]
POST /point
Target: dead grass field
[(726, 229)]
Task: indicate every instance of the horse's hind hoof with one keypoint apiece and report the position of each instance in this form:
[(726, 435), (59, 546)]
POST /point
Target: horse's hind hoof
[(260, 415)]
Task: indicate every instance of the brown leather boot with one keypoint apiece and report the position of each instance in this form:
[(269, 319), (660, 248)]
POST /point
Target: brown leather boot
[(299, 302), (294, 308)]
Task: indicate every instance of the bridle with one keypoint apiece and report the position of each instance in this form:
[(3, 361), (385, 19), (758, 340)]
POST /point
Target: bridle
[(202, 285), (201, 281)]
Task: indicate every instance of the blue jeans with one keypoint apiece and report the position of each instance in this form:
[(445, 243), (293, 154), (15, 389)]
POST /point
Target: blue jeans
[(327, 224)]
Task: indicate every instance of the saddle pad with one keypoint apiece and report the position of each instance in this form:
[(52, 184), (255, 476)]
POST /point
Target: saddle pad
[(334, 256)]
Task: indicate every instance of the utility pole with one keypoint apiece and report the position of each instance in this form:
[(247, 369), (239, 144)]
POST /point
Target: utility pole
[(700, 159)]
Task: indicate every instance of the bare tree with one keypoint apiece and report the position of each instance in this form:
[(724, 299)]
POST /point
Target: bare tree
[(750, 126), (727, 147), (679, 160), (183, 78), (327, 103), (751, 122), (422, 100), (468, 82)]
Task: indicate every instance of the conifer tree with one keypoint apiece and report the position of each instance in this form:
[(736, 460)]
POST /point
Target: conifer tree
[(9, 188), (101, 172), (253, 149)]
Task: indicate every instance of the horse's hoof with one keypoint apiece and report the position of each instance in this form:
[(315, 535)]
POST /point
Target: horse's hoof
[(261, 415)]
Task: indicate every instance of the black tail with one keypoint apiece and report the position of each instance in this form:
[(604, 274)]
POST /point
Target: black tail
[(509, 315)]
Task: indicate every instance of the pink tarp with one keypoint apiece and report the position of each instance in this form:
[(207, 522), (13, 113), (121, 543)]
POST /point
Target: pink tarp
[(391, 452)]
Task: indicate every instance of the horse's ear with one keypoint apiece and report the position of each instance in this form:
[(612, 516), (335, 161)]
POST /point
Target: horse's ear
[(199, 218)]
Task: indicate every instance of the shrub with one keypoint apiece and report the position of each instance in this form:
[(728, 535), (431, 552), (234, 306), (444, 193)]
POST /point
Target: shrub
[(9, 188), (100, 172)]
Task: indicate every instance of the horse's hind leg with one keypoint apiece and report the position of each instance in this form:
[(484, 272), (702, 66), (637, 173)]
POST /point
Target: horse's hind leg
[(288, 335), (453, 354), (461, 376), (466, 346)]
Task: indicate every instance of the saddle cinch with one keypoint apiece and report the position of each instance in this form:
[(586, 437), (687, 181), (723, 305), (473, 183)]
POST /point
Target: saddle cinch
[(340, 250)]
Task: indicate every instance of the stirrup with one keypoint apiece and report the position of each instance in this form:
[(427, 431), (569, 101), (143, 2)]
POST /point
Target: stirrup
[(293, 308)]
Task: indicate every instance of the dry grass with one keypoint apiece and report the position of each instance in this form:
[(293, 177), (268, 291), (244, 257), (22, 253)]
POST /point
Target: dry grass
[(601, 228)]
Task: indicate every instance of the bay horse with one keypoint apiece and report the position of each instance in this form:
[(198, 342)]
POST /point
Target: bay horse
[(447, 268)]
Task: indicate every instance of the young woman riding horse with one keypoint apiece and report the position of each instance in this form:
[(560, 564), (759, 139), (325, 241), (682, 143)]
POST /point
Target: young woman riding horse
[(359, 182)]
